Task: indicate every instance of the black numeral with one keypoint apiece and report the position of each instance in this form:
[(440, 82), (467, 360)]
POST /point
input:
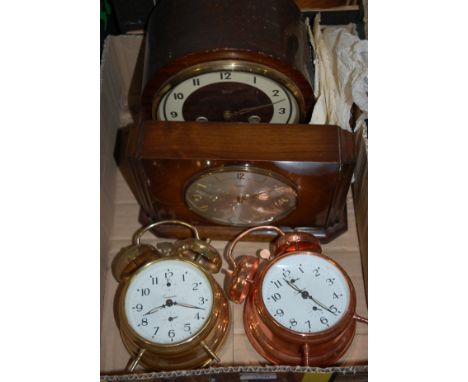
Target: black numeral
[(241, 175), (286, 273), (144, 321), (282, 110), (187, 327), (225, 75), (178, 96), (154, 280), (157, 328), (330, 281), (255, 80), (324, 321), (195, 286), (174, 114), (171, 334), (279, 313), (202, 300), (308, 323), (277, 283), (333, 309), (168, 274), (301, 268), (276, 93), (336, 296), (293, 322), (275, 297), (145, 292), (196, 82), (138, 307), (316, 272)]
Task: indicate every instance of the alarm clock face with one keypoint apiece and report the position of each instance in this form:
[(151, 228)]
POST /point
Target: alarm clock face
[(305, 293), (241, 196), (168, 301), (233, 92)]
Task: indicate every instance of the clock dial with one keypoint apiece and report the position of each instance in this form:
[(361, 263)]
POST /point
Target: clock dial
[(229, 95), (168, 301), (241, 196), (305, 293)]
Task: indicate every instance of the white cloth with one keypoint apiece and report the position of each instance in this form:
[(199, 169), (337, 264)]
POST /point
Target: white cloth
[(340, 74)]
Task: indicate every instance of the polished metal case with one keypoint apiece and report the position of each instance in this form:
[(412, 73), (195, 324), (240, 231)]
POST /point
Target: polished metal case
[(197, 351)]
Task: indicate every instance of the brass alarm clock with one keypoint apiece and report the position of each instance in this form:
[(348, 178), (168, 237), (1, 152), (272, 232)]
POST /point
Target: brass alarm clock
[(300, 306), (234, 61), (171, 312)]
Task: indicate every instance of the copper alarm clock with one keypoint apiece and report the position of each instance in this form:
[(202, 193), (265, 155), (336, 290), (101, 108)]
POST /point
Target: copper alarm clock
[(235, 61), (300, 307), (171, 312)]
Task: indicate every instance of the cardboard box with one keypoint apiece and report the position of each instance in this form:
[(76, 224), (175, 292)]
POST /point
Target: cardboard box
[(119, 220)]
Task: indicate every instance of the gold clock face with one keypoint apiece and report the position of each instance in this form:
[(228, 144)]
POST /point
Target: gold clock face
[(241, 196)]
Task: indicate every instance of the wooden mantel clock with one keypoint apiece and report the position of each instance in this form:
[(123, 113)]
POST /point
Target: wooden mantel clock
[(222, 140)]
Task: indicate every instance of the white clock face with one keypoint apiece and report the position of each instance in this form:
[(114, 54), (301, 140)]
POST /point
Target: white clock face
[(168, 301), (229, 95), (305, 293)]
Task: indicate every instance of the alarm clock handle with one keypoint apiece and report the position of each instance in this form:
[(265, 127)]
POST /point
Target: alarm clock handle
[(242, 272), (138, 234), (229, 255)]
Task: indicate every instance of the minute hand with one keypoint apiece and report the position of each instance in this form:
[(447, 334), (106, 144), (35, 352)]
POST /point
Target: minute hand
[(321, 305), (249, 109), (188, 305)]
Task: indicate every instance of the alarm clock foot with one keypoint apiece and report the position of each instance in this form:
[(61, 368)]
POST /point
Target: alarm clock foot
[(135, 361), (210, 352)]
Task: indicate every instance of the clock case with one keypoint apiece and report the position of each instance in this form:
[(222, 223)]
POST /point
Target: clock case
[(159, 158), (188, 354)]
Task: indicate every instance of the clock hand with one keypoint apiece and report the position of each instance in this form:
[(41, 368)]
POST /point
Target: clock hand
[(295, 287), (321, 305), (188, 305), (229, 115), (306, 294), (154, 309)]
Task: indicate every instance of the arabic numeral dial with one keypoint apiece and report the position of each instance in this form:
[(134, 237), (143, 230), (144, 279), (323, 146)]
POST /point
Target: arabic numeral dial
[(305, 293), (168, 301)]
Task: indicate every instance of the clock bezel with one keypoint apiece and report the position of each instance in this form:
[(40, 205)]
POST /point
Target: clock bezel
[(279, 345), (238, 168), (126, 327), (345, 317), (295, 95)]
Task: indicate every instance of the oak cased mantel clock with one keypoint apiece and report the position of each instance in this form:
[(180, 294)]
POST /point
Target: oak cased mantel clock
[(221, 139)]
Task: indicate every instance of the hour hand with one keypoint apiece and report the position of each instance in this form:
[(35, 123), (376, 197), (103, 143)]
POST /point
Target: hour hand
[(154, 309), (292, 285), (188, 305)]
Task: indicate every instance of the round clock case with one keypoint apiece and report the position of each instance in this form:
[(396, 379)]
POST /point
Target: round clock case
[(299, 306), (171, 312)]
